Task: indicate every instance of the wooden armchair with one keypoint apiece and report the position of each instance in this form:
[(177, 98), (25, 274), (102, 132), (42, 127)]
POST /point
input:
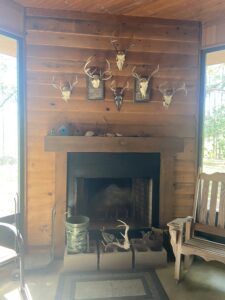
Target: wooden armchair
[(208, 218)]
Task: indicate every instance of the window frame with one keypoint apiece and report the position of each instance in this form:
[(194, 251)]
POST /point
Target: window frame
[(21, 128), (201, 113)]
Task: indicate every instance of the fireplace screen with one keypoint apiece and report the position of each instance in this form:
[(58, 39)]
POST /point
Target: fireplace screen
[(105, 200), (111, 186)]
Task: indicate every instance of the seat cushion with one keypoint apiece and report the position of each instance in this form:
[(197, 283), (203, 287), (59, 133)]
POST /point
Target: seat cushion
[(6, 254)]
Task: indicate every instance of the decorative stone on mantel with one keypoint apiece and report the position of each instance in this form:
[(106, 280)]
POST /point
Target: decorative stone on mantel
[(61, 145)]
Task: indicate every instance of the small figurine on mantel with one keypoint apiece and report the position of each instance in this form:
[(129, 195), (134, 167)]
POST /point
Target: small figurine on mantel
[(89, 133), (52, 132), (64, 130)]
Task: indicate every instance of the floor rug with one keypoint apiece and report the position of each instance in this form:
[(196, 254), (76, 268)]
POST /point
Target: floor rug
[(136, 285)]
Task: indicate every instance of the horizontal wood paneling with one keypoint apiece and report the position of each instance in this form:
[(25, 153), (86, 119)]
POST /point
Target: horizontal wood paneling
[(202, 10), (11, 17), (213, 34), (58, 46)]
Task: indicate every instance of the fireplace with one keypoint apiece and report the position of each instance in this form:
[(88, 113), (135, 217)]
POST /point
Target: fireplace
[(62, 145), (111, 186)]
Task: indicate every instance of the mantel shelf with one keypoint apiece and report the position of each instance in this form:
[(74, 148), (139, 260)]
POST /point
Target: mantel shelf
[(112, 144)]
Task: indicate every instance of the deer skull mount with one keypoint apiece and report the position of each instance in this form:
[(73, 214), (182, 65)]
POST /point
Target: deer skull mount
[(118, 93), (65, 88), (143, 81), (168, 93), (96, 74), (120, 54)]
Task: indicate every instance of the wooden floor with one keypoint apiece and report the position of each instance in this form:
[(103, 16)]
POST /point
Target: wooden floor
[(203, 281)]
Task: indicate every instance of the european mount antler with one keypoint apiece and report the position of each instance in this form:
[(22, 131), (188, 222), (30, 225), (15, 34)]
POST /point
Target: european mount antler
[(65, 88), (120, 54), (143, 80), (168, 92), (118, 93), (96, 73), (125, 244)]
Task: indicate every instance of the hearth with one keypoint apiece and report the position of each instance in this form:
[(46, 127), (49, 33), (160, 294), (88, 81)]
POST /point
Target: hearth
[(111, 186)]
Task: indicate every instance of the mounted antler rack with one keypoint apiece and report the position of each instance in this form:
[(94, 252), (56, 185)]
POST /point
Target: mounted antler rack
[(120, 53), (142, 84), (65, 87), (118, 93), (96, 74), (168, 91)]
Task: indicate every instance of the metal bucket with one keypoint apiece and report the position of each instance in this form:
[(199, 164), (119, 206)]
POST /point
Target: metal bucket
[(77, 233)]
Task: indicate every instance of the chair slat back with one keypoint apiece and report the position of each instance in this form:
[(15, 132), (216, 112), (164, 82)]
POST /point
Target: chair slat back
[(221, 217), (209, 206)]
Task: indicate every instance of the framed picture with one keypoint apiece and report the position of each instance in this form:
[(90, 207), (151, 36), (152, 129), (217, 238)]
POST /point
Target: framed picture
[(138, 98), (95, 93)]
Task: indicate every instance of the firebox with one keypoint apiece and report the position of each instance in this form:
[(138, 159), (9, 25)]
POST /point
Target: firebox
[(111, 186)]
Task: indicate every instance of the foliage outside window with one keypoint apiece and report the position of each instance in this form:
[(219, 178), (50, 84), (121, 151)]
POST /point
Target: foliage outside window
[(214, 122), (8, 134)]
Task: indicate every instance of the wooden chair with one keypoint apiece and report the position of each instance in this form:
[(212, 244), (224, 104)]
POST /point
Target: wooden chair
[(208, 220)]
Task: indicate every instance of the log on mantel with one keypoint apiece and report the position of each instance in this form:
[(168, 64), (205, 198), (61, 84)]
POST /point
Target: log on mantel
[(112, 144)]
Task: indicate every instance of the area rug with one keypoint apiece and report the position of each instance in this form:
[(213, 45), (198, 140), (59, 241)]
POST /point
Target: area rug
[(134, 285)]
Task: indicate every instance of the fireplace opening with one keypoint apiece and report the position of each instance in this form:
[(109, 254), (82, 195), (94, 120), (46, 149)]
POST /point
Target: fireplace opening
[(107, 187), (108, 198)]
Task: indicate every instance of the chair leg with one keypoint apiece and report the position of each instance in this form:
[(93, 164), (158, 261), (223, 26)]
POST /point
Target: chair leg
[(177, 266), (188, 259), (22, 281)]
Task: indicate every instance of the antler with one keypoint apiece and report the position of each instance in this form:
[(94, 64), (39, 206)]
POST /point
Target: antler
[(134, 74), (114, 45), (169, 90), (55, 85), (112, 88), (108, 71), (183, 87), (126, 243), (125, 87), (72, 85), (128, 47), (87, 70), (153, 73)]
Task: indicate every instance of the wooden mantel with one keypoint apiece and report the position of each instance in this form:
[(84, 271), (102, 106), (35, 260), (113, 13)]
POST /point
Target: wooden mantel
[(112, 144), (61, 145)]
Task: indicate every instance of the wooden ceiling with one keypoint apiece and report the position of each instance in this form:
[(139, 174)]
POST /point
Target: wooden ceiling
[(197, 10)]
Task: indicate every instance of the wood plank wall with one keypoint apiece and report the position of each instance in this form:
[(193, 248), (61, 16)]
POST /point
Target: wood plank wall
[(213, 34), (11, 17), (58, 43)]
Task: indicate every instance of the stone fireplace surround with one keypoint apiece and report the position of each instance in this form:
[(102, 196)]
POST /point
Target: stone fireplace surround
[(61, 145)]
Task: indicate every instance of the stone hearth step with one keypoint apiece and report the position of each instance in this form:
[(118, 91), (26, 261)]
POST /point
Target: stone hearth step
[(114, 259), (145, 258), (87, 261)]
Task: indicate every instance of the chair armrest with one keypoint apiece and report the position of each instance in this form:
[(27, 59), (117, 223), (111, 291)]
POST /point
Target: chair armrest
[(10, 227), (18, 236), (177, 230), (178, 223)]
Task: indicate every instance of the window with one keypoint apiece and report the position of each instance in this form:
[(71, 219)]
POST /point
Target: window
[(213, 112), (9, 125)]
